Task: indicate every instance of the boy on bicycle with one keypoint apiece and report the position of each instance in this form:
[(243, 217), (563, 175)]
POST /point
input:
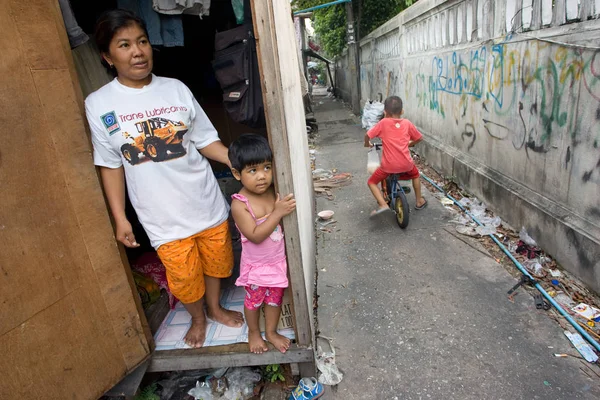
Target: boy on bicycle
[(397, 135)]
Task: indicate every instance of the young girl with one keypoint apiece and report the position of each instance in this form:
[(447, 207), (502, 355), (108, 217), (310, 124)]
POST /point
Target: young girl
[(257, 211)]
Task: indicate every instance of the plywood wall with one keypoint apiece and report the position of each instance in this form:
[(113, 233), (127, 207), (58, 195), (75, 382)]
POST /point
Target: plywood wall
[(69, 320)]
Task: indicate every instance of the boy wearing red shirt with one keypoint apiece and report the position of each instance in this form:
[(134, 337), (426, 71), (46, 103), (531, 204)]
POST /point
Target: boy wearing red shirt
[(397, 135)]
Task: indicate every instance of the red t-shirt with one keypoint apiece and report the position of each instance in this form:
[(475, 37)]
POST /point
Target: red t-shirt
[(395, 135)]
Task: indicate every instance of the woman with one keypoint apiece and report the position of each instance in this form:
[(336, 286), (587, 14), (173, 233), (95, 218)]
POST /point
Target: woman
[(150, 132)]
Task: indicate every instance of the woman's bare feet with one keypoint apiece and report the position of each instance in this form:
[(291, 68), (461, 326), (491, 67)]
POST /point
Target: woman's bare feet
[(281, 343), (256, 342), (226, 317), (197, 334)]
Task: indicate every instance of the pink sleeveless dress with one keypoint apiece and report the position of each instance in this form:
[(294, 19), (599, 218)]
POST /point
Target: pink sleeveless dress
[(263, 264)]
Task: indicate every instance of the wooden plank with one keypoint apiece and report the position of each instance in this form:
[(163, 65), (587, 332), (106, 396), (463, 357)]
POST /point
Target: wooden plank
[(69, 325), (235, 355), (277, 54), (36, 24), (69, 137), (64, 352)]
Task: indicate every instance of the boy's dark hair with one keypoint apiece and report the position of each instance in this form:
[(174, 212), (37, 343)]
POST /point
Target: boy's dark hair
[(393, 105), (249, 149)]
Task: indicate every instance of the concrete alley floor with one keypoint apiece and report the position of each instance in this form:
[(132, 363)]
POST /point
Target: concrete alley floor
[(417, 313)]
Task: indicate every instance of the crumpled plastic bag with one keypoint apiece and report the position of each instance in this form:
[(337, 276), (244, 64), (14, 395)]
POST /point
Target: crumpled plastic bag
[(372, 114), (495, 222), (330, 373), (486, 230), (373, 161), (201, 392), (524, 236), (241, 383)]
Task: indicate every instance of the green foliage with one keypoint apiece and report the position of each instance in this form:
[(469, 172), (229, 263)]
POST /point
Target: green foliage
[(148, 393), (330, 22), (273, 373)]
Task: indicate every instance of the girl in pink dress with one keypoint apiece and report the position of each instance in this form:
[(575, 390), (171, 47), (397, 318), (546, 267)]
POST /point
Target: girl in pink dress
[(257, 211)]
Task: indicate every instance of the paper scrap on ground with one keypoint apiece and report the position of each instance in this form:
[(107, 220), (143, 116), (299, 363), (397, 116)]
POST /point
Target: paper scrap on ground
[(582, 347), (587, 311), (174, 327)]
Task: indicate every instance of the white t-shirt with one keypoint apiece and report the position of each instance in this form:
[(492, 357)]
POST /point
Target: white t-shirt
[(154, 132)]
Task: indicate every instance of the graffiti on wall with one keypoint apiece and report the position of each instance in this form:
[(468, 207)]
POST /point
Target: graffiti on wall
[(534, 94)]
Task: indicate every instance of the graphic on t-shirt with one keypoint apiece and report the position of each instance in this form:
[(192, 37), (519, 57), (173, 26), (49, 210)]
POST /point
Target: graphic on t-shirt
[(160, 139), (110, 122)]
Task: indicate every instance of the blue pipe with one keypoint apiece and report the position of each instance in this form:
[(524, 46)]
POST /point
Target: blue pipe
[(523, 270), (333, 3)]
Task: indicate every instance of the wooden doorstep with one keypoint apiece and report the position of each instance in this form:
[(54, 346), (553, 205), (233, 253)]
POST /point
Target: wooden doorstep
[(233, 355)]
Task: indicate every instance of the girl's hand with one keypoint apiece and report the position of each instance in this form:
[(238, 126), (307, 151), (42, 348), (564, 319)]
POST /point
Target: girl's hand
[(286, 206), (124, 234)]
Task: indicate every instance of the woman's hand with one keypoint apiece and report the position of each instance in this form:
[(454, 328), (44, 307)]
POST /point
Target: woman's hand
[(125, 235), (286, 206)]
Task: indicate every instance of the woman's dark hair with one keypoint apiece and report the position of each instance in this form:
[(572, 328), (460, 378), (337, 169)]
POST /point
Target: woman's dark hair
[(249, 149), (109, 23)]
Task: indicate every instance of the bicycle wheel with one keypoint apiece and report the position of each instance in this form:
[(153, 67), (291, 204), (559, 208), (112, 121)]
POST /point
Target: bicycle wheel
[(402, 209)]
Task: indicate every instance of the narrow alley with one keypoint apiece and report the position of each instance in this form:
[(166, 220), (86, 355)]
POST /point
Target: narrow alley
[(417, 313)]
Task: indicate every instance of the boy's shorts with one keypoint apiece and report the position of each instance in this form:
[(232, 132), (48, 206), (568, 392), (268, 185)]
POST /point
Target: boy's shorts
[(257, 295), (379, 175), (209, 252)]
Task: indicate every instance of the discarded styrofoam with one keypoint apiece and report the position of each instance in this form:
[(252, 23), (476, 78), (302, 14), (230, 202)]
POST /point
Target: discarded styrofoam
[(582, 347)]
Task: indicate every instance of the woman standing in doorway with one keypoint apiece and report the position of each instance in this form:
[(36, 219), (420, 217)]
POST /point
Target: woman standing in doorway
[(150, 132)]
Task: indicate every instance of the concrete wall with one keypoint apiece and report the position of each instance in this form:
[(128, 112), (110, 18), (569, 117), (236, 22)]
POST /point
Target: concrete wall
[(507, 94)]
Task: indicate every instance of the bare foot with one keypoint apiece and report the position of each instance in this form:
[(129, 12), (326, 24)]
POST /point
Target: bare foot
[(226, 317), (197, 334), (281, 343), (256, 342)]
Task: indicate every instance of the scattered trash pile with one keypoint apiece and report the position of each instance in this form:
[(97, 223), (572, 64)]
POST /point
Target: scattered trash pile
[(567, 291), (325, 221), (324, 181), (243, 383)]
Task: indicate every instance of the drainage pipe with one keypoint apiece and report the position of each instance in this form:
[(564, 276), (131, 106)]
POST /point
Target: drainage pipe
[(523, 270), (333, 3)]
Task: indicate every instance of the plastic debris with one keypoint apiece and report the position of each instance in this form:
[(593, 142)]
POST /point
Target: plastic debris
[(555, 273), (372, 114), (446, 201), (486, 230), (582, 347), (373, 161), (466, 230), (201, 392), (330, 373), (524, 236), (241, 383), (534, 268), (492, 221)]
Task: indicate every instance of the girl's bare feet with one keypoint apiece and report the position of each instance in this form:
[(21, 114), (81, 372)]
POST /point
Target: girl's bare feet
[(281, 343), (226, 317), (197, 334), (256, 342)]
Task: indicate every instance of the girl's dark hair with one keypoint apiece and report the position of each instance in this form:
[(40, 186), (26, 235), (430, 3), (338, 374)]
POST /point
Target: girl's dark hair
[(249, 149), (109, 23)]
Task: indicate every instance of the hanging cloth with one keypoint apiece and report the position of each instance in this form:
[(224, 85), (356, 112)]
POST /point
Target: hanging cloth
[(77, 36), (174, 7), (163, 30)]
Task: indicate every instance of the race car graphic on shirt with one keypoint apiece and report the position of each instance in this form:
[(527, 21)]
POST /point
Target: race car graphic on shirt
[(160, 139)]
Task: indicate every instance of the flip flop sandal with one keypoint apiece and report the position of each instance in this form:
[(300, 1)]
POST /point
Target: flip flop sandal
[(422, 207)]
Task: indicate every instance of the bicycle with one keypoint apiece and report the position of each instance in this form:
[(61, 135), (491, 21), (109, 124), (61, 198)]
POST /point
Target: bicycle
[(395, 195)]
